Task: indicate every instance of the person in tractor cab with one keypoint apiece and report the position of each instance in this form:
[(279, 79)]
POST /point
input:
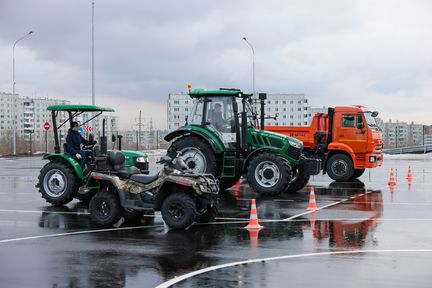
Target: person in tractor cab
[(73, 144), (216, 118)]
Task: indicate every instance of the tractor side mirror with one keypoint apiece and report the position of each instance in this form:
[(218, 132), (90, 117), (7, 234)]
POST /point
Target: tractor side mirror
[(113, 138), (91, 138), (374, 114)]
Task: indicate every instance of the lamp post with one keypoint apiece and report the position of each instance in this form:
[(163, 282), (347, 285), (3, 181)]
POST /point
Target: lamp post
[(13, 92), (253, 64)]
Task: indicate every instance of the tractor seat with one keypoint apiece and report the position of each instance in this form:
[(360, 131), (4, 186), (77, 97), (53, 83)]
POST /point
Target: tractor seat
[(127, 172), (144, 179)]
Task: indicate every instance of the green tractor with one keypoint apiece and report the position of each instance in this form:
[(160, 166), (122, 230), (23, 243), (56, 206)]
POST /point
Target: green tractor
[(61, 178), (220, 139)]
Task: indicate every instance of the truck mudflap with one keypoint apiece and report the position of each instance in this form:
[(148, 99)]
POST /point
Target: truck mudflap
[(310, 166)]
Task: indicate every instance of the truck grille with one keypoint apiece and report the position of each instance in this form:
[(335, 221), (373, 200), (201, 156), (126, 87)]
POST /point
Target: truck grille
[(293, 153)]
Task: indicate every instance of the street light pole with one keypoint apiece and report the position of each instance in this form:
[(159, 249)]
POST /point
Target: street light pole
[(13, 92), (253, 64), (93, 72)]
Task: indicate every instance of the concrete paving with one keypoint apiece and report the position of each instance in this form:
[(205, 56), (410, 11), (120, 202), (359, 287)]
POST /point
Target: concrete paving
[(364, 235)]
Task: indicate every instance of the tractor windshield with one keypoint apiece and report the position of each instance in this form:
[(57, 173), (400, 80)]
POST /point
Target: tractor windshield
[(219, 114)]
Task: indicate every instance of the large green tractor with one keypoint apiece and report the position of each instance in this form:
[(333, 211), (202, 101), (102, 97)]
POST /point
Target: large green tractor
[(61, 178), (221, 139)]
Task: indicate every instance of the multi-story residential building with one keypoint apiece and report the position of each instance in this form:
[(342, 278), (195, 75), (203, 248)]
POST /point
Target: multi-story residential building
[(290, 109), (31, 114), (401, 134), (179, 106)]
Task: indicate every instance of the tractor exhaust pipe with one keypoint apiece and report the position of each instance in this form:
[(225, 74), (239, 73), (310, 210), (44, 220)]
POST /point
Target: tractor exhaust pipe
[(262, 98), (103, 139)]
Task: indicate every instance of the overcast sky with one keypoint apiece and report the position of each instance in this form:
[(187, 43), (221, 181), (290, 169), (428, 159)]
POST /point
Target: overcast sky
[(375, 53)]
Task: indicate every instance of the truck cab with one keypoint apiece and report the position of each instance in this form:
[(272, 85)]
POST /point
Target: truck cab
[(346, 138)]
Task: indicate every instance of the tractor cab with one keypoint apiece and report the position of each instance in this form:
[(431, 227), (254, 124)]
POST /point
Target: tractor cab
[(218, 112), (61, 178)]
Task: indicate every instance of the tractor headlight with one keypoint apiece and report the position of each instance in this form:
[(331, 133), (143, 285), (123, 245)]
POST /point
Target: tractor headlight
[(295, 144), (140, 159)]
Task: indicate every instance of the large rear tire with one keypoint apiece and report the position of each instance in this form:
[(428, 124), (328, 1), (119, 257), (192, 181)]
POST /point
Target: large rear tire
[(196, 153), (269, 174), (340, 167), (105, 208), (178, 210), (58, 183)]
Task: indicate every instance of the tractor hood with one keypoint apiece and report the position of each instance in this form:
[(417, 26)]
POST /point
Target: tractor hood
[(277, 140)]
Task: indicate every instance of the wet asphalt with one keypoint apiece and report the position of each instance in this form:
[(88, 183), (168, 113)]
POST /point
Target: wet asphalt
[(366, 235)]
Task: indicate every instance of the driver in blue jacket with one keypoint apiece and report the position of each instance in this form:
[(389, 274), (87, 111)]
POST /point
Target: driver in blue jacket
[(73, 144)]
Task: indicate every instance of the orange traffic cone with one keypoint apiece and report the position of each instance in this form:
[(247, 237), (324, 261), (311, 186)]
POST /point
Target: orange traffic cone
[(312, 202), (392, 181), (237, 186), (253, 220), (410, 176)]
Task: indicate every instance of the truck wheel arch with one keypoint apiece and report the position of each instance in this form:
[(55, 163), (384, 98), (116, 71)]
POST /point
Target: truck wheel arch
[(340, 149)]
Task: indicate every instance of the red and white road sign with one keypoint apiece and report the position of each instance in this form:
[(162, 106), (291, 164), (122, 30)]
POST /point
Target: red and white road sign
[(47, 126), (88, 128)]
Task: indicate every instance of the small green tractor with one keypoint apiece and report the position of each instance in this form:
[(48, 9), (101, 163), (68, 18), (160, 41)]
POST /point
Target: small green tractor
[(221, 137), (61, 178)]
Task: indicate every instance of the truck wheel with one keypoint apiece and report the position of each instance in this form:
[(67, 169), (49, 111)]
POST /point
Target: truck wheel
[(340, 168), (208, 215), (358, 173), (105, 208), (57, 183), (196, 153), (269, 174), (298, 182), (178, 210)]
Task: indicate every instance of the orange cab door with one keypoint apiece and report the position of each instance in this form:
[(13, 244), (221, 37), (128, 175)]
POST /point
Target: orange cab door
[(349, 131)]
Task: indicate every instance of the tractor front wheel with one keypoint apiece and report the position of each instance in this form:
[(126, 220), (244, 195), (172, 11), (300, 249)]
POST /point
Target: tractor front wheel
[(58, 183), (269, 174)]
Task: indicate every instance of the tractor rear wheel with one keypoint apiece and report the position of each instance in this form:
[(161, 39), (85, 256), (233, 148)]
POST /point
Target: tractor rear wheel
[(58, 183), (196, 153), (269, 174)]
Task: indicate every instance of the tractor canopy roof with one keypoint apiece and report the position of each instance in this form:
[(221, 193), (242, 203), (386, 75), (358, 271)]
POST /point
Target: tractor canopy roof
[(197, 93), (81, 108)]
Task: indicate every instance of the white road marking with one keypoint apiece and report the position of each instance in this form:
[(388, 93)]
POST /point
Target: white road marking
[(77, 233), (251, 261)]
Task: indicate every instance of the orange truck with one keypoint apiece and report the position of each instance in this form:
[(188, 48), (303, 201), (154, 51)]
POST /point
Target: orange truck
[(346, 138)]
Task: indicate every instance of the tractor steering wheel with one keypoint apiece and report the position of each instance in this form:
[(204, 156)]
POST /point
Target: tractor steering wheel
[(89, 146)]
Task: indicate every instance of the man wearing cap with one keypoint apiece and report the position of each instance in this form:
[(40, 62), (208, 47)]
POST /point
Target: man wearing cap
[(73, 144)]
